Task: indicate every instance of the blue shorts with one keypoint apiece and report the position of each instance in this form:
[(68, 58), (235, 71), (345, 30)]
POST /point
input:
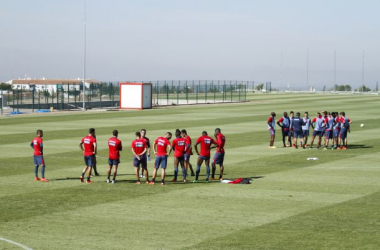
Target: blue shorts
[(272, 131), (336, 133), (285, 131), (186, 157), (218, 158), (328, 134), (298, 134), (113, 162), (317, 133), (89, 160), (305, 133), (343, 133), (142, 162), (161, 161), (181, 159), (38, 160), (204, 157)]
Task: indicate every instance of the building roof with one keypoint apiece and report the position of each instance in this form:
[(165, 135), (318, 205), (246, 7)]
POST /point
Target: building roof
[(51, 81)]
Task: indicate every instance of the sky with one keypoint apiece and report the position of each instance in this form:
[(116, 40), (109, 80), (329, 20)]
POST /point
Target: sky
[(286, 42)]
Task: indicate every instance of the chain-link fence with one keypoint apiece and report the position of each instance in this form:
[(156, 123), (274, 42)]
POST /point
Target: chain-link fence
[(64, 96), (68, 96), (194, 92)]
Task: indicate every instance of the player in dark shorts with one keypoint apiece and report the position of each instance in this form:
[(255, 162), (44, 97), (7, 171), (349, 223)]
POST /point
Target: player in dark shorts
[(306, 128), (329, 128), (272, 129), (206, 143), (219, 154), (317, 124), (344, 128), (139, 148), (38, 156), (290, 135), (179, 148), (95, 163), (147, 142), (161, 146), (88, 146), (188, 153), (336, 130), (114, 148), (284, 123), (296, 127)]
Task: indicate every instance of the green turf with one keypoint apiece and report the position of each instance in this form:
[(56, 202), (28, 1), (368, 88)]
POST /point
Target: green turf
[(332, 203)]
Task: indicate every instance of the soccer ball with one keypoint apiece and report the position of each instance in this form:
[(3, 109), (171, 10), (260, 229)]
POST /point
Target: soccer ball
[(362, 125)]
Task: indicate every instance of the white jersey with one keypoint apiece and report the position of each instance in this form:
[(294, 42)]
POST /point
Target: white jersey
[(307, 124)]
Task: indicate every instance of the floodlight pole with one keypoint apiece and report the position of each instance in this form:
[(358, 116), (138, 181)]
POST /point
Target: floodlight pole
[(84, 59)]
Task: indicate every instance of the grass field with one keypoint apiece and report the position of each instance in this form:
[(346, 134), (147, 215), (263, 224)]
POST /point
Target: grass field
[(292, 203)]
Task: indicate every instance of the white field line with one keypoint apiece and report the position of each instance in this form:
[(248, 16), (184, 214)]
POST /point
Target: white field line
[(16, 244)]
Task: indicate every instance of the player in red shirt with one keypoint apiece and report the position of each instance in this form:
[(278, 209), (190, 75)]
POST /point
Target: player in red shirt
[(160, 148), (219, 154), (206, 143), (114, 148), (139, 148), (179, 148), (147, 142), (272, 129), (88, 146), (188, 153), (38, 156)]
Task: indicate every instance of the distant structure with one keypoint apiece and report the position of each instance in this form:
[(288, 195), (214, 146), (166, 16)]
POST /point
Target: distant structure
[(50, 85)]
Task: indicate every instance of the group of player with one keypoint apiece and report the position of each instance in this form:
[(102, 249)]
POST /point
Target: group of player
[(332, 126), (141, 148)]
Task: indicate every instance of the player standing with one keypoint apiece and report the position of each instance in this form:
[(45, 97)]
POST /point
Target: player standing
[(344, 127), (219, 154), (284, 123), (330, 122), (88, 146), (188, 153), (290, 134), (336, 130), (206, 143), (114, 148), (147, 142), (306, 128), (296, 126), (38, 156), (139, 149), (179, 148), (317, 123), (272, 129), (160, 148)]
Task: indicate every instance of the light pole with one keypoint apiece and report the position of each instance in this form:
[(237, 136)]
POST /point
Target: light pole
[(84, 59)]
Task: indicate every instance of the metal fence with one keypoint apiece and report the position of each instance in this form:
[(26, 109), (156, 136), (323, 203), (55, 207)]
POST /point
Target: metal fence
[(65, 96), (106, 94), (197, 92)]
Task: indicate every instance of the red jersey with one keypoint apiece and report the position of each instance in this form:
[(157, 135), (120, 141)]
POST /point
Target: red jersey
[(88, 142), (162, 144), (188, 144), (37, 146), (138, 145), (179, 146), (206, 142), (221, 140), (114, 148)]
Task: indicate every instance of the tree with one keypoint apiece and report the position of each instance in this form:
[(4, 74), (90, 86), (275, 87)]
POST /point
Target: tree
[(5, 86), (346, 87), (260, 87), (363, 88)]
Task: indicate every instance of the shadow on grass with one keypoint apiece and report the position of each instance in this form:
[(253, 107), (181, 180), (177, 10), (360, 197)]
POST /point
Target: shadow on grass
[(358, 146)]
